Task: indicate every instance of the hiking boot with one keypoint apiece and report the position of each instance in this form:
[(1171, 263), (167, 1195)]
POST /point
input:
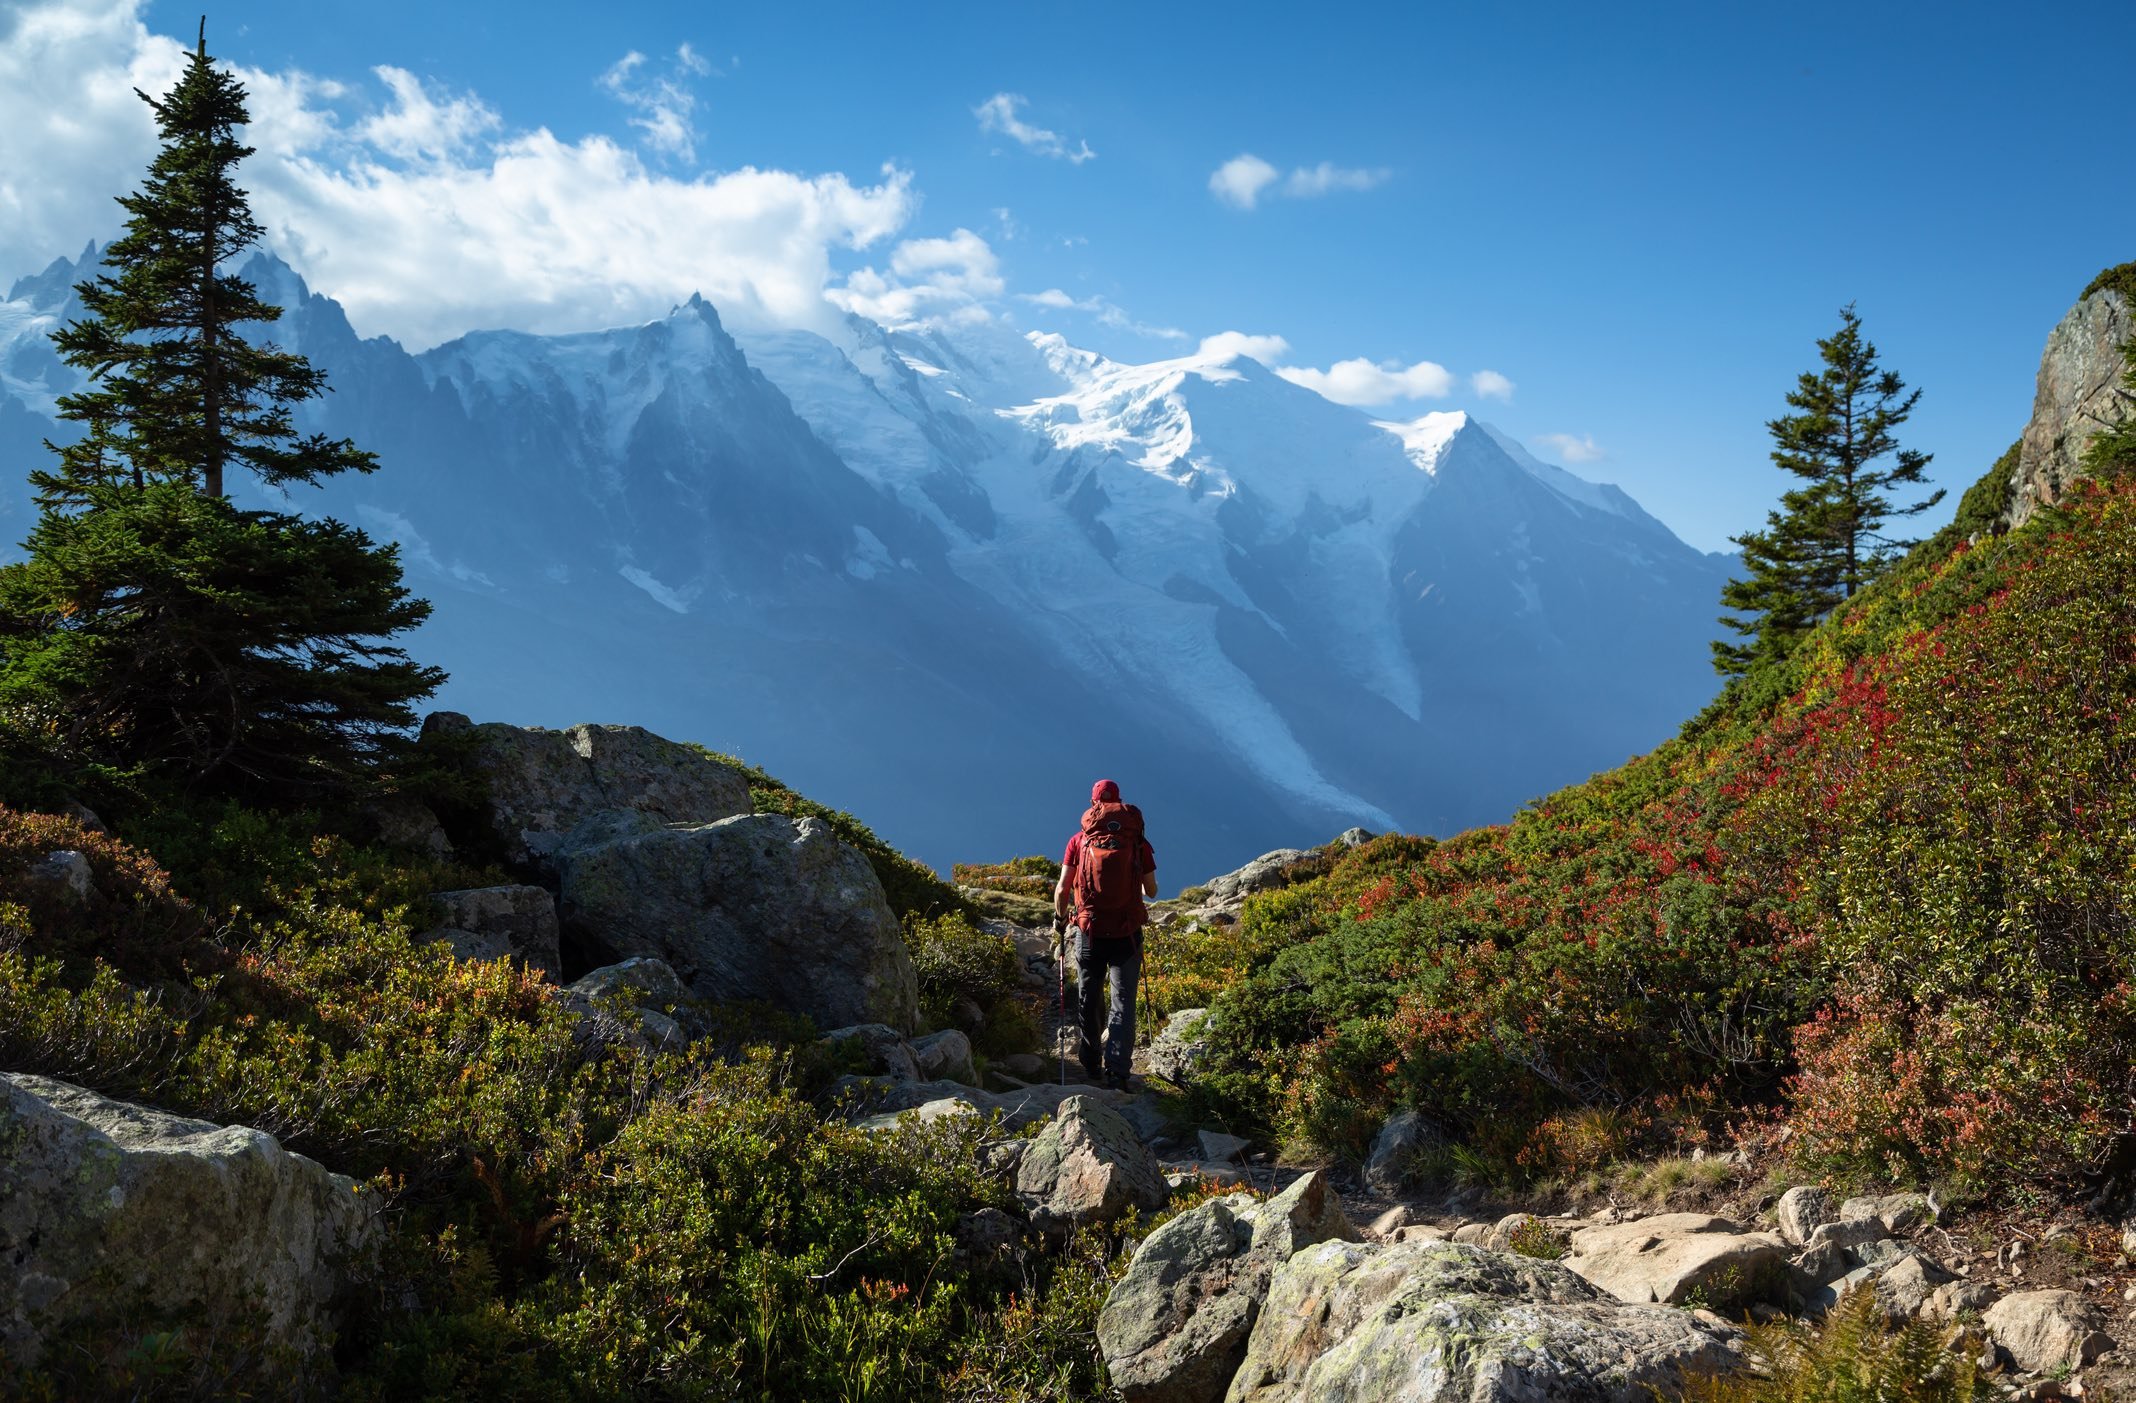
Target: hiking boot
[(1120, 1081)]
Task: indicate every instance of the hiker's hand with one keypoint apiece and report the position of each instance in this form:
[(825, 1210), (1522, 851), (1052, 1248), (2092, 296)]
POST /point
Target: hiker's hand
[(1060, 927)]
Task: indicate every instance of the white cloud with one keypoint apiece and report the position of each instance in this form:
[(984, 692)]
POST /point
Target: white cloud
[(418, 126), (1489, 384), (1245, 179), (1227, 344), (1327, 178), (663, 103), (999, 114), (1239, 181), (1573, 448), (1107, 313), (419, 212), (1363, 382), (72, 133), (928, 279)]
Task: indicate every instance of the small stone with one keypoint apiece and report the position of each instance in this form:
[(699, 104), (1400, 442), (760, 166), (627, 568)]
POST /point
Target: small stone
[(1396, 1218), (1217, 1146)]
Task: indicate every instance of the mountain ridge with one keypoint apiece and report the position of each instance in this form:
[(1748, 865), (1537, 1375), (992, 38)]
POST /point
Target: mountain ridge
[(975, 556)]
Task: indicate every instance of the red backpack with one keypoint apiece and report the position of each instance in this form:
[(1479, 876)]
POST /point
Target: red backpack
[(1108, 872)]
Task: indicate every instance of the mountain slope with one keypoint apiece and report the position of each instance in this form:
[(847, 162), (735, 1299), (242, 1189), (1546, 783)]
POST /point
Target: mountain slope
[(1886, 888)]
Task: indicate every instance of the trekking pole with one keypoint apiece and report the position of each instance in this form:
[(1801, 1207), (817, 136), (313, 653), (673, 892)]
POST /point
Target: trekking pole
[(1060, 996)]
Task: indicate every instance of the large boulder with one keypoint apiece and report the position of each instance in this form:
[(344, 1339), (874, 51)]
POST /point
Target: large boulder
[(2048, 1331), (2078, 394), (1673, 1257), (117, 1220), (1175, 1325), (541, 784), (757, 907), (494, 923), (1087, 1167), (1436, 1322)]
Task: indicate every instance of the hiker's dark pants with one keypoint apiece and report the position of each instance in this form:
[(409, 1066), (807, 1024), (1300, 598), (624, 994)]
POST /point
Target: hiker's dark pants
[(1094, 959)]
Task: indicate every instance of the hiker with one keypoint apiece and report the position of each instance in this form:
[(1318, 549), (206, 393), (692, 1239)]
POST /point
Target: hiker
[(1108, 869)]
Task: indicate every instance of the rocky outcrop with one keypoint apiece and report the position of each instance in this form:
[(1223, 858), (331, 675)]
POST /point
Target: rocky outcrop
[(494, 923), (756, 907), (1433, 1322), (541, 784), (1087, 1167), (1264, 873), (1674, 1257), (1174, 1327), (2048, 1332), (2078, 394), (115, 1218)]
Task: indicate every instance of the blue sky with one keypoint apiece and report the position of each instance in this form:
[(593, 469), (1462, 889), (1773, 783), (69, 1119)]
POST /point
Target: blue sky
[(1640, 216)]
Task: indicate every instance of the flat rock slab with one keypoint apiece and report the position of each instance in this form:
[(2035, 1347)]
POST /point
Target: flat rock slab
[(117, 1218), (1672, 1256)]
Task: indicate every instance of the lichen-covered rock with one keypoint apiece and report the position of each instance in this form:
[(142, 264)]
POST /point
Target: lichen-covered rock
[(493, 923), (2078, 394), (759, 907), (639, 1002), (118, 1218), (1404, 1136), (1433, 1322), (1087, 1167), (1672, 1256), (877, 1101), (1181, 1047), (2048, 1331), (541, 784), (1803, 1210), (1174, 1327)]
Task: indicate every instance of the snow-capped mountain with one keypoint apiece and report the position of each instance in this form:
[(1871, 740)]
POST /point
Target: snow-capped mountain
[(947, 576)]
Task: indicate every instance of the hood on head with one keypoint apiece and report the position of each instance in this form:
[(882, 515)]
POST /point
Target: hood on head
[(1105, 792)]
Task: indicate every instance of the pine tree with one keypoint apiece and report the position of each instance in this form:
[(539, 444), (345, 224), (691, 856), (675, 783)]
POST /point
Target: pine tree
[(1826, 541), (157, 630)]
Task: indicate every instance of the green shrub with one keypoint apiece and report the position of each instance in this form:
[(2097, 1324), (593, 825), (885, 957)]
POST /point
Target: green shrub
[(1878, 887), (1034, 877), (957, 961)]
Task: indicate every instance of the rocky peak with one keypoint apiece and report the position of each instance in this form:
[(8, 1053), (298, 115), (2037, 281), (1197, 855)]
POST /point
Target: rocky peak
[(2079, 395)]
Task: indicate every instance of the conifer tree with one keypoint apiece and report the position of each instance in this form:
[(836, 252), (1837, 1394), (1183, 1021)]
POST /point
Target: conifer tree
[(1826, 541), (157, 630)]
